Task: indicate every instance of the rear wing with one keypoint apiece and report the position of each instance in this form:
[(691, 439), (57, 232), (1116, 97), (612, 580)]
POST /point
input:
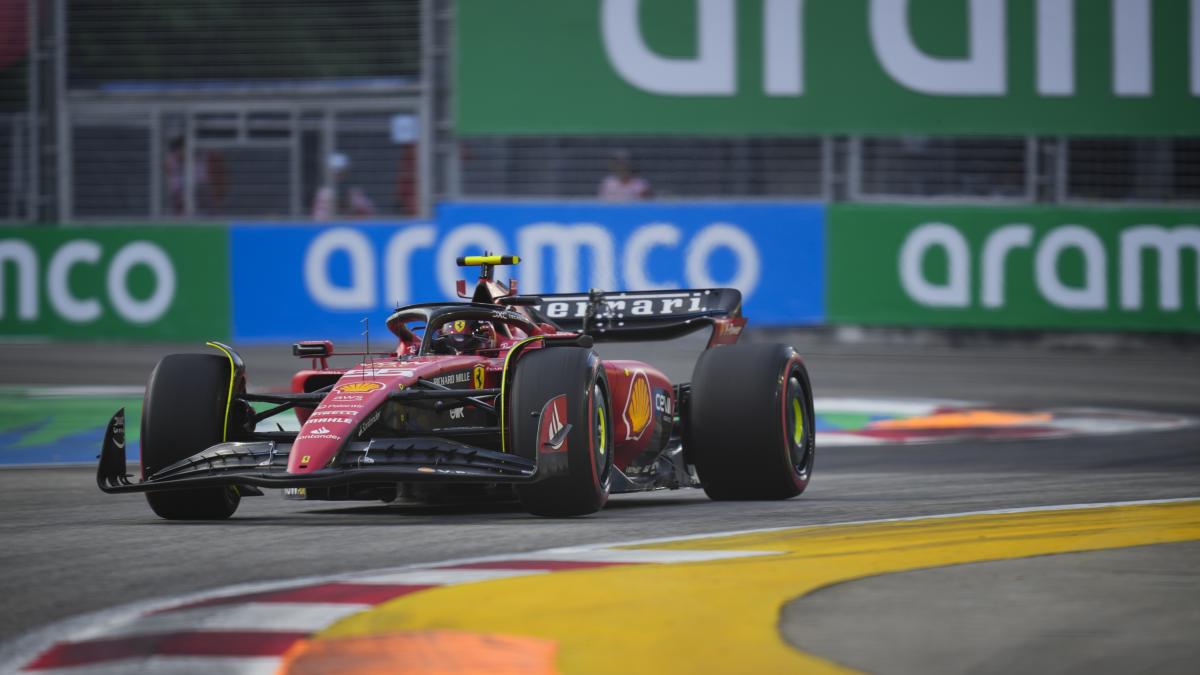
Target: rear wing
[(629, 316)]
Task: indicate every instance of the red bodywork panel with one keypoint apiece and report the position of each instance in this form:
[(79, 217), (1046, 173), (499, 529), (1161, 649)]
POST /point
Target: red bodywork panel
[(643, 404), (641, 399), (360, 391)]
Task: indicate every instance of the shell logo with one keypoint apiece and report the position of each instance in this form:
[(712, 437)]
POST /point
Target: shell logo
[(358, 387), (637, 406)]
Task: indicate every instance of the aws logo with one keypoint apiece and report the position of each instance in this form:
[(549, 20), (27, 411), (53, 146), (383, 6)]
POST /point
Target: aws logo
[(637, 406)]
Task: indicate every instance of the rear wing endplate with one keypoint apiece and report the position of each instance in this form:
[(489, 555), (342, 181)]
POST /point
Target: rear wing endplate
[(646, 315)]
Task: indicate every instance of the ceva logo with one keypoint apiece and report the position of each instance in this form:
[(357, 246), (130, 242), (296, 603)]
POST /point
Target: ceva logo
[(83, 306), (1101, 266), (567, 244)]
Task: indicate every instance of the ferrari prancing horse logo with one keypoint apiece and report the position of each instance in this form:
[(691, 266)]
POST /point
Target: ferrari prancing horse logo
[(477, 376)]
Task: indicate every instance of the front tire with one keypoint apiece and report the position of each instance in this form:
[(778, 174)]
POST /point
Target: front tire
[(750, 428), (574, 478), (184, 412)]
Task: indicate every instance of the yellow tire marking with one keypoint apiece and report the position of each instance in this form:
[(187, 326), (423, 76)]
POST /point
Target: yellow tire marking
[(798, 415), (229, 394), (504, 383), (722, 616)]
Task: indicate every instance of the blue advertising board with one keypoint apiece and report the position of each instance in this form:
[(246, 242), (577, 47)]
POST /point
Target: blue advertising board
[(308, 281)]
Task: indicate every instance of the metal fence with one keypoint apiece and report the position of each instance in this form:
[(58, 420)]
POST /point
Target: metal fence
[(673, 167), (315, 109), (14, 153), (267, 160)]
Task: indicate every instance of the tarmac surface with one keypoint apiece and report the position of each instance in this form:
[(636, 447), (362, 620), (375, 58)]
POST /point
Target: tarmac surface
[(69, 549)]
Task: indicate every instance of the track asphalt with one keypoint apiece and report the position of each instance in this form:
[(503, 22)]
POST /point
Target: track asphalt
[(70, 550)]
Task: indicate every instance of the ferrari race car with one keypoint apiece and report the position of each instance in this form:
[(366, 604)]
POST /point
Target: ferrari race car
[(499, 395)]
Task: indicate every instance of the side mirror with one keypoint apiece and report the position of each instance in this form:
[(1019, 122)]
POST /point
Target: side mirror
[(521, 300), (313, 349)]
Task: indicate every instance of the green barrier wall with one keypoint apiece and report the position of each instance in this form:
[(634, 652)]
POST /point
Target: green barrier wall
[(828, 66), (1037, 268), (141, 283)]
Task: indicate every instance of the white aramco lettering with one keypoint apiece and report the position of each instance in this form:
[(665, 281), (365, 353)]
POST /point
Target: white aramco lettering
[(1169, 246), (995, 253), (1094, 292), (711, 72), (58, 281), (25, 259), (360, 294), (783, 47), (567, 242), (637, 250), (1056, 47), (153, 307), (1131, 48), (733, 238), (956, 292), (982, 73), (397, 266)]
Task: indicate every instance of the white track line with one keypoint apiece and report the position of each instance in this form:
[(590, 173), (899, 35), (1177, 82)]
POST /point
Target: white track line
[(280, 617), (176, 665), (640, 556), (437, 577)]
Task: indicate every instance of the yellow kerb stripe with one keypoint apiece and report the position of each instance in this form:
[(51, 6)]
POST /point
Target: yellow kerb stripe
[(728, 610)]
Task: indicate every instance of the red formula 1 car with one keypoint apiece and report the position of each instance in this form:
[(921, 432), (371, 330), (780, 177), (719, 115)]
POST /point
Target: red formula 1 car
[(499, 394)]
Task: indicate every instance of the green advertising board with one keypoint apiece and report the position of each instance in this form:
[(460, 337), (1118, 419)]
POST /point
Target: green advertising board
[(143, 283), (1094, 67), (1010, 267)]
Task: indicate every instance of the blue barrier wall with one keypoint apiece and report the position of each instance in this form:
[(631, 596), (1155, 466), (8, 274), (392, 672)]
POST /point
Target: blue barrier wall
[(306, 281)]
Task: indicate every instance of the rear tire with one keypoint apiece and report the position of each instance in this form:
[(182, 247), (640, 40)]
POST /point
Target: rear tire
[(183, 413), (574, 481), (750, 418)]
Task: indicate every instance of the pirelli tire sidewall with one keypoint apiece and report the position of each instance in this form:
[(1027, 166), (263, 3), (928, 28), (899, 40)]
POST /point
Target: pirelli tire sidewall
[(183, 413), (576, 480), (749, 424)]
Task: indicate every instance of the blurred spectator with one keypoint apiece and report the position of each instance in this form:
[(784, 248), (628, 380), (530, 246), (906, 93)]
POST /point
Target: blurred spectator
[(406, 180), (622, 184), (208, 178), (334, 200)]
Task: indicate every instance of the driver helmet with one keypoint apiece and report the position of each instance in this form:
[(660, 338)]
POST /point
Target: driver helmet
[(465, 335)]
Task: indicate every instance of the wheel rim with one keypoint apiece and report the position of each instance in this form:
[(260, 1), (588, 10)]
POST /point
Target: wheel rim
[(797, 427), (602, 455)]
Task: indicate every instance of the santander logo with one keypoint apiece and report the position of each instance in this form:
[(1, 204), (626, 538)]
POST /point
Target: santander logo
[(322, 430)]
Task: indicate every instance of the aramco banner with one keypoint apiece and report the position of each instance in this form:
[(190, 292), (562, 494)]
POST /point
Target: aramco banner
[(133, 283), (303, 281), (1038, 268), (1094, 67)]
